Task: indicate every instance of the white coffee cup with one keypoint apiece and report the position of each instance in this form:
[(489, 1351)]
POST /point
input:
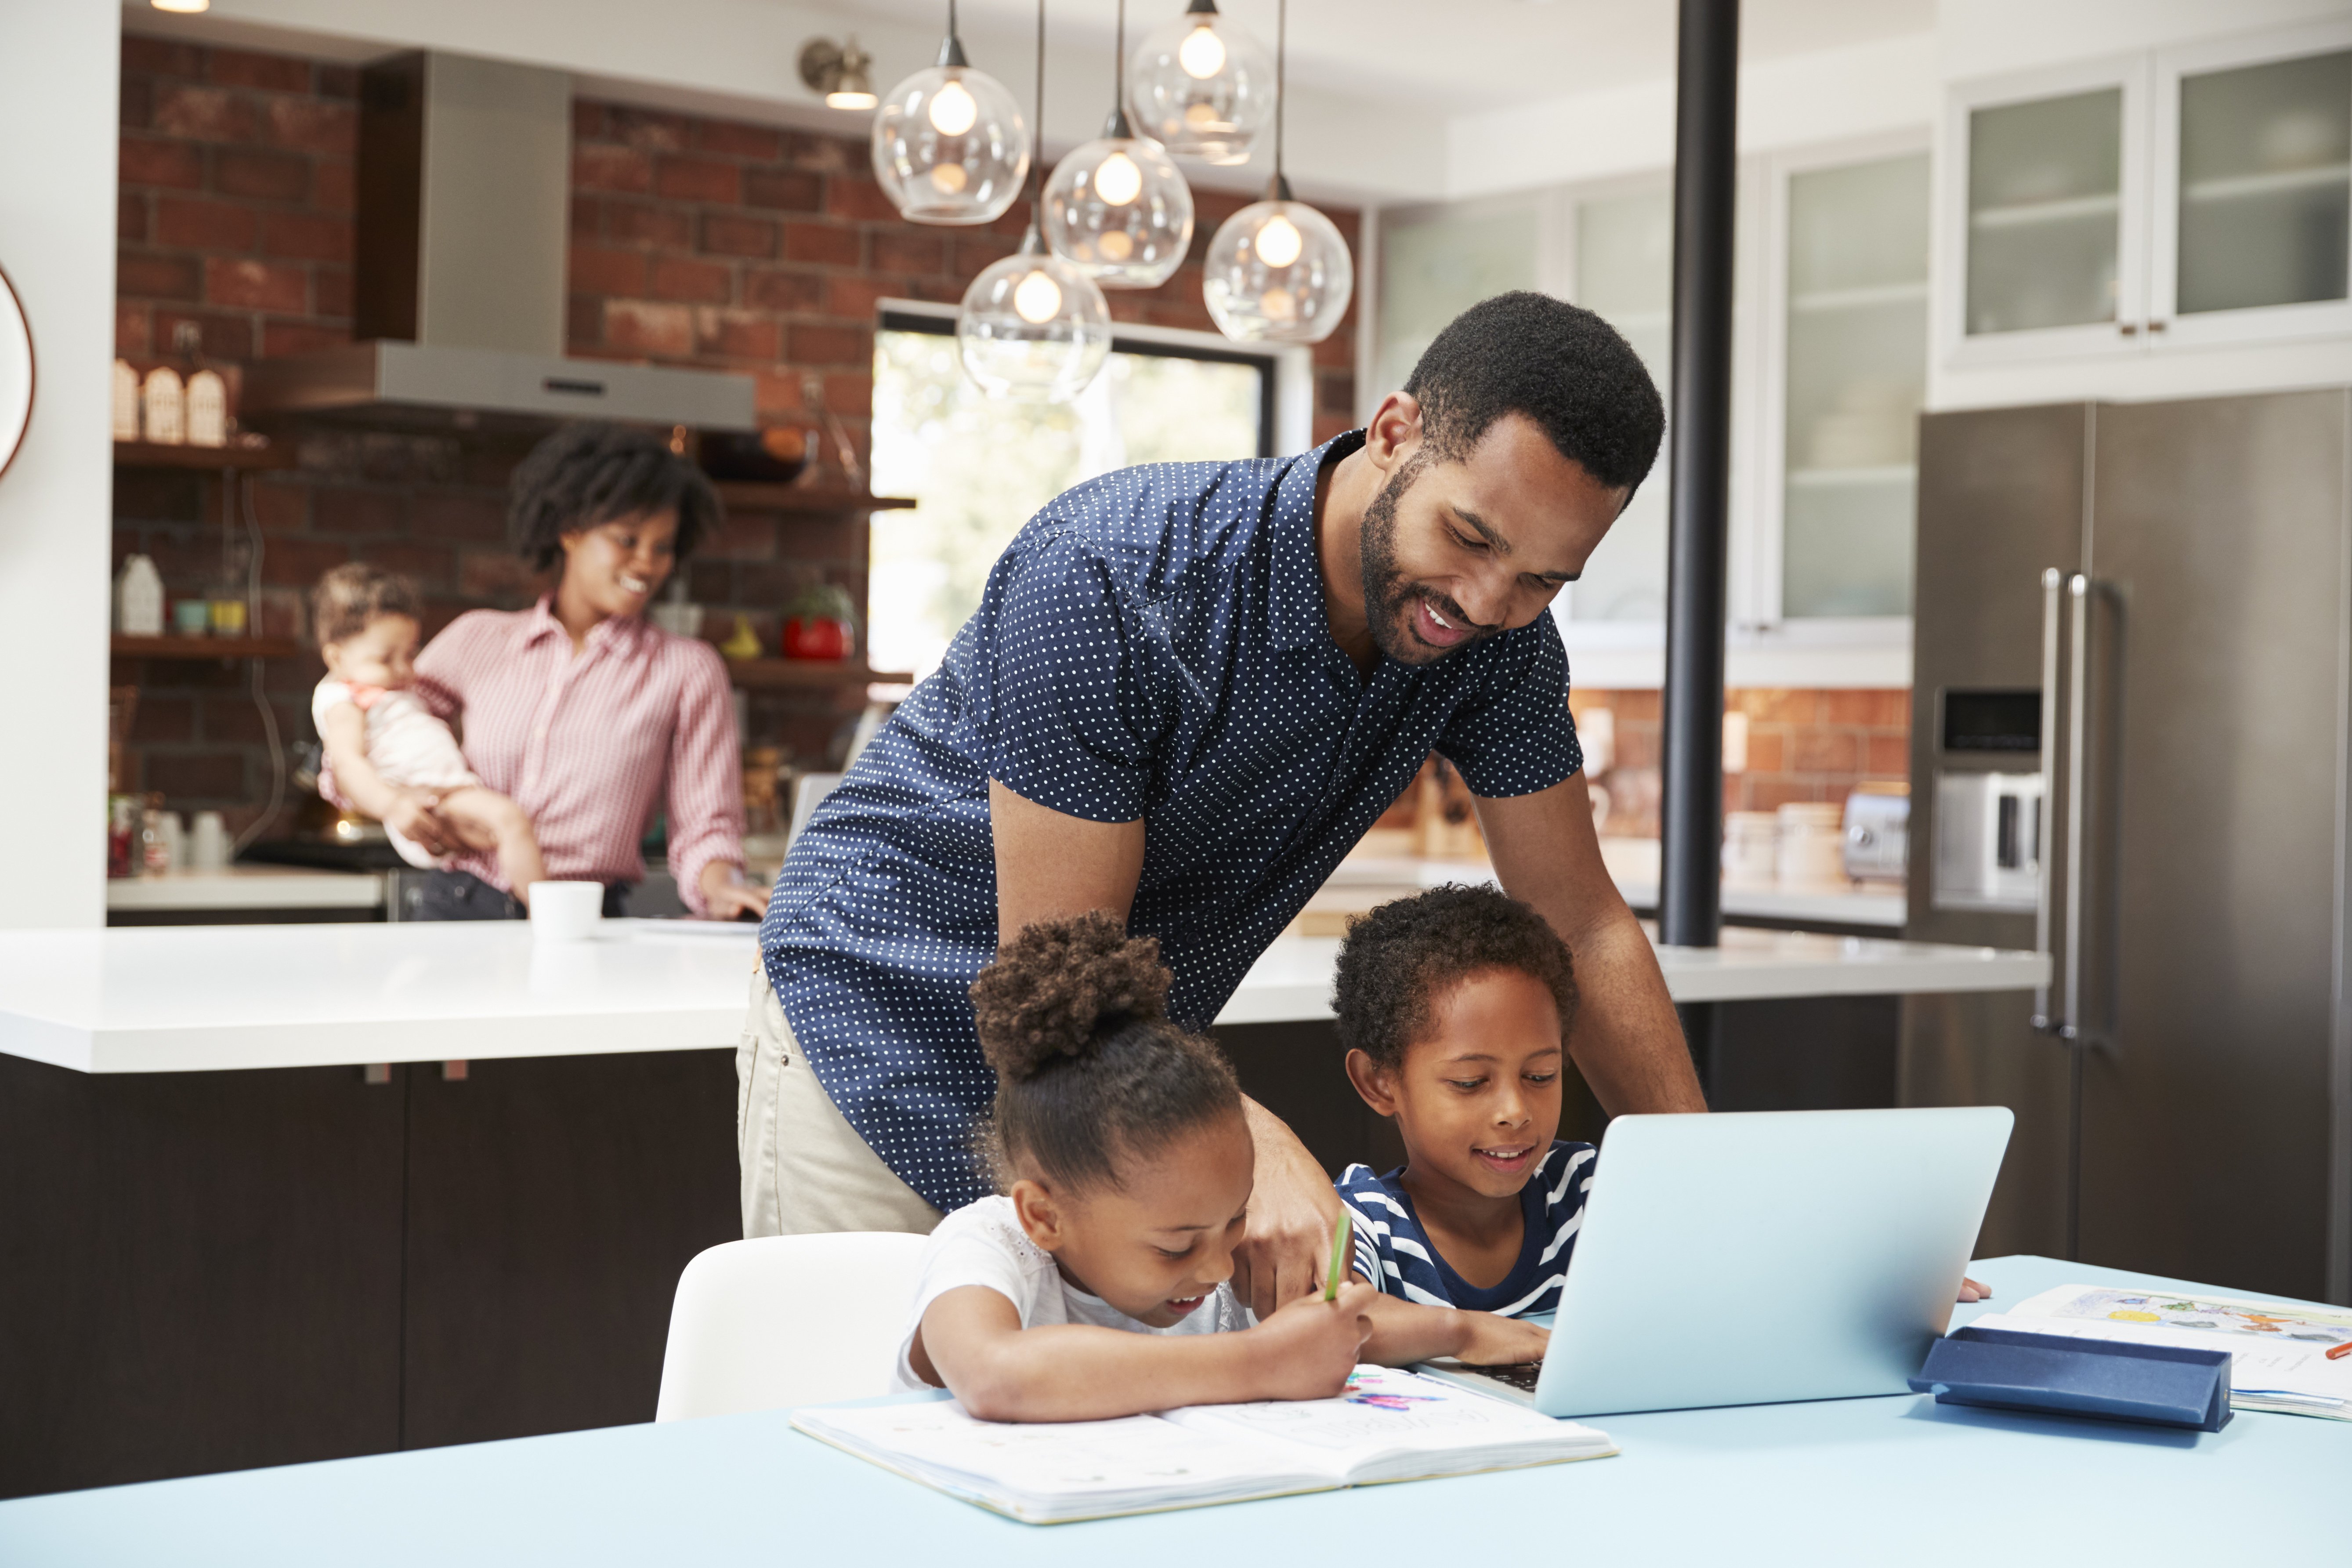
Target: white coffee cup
[(565, 911), (208, 842)]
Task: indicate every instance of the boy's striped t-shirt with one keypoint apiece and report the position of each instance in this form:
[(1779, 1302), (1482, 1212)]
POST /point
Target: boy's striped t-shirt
[(1395, 1255)]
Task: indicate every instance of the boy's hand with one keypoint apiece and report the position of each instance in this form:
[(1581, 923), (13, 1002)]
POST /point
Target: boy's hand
[(412, 814), (1308, 1348), (1496, 1340)]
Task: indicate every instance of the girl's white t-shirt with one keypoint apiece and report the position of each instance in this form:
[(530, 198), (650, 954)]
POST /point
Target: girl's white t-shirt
[(984, 1243)]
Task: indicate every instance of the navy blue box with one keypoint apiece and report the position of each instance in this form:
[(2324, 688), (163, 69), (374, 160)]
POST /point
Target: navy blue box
[(2107, 1379)]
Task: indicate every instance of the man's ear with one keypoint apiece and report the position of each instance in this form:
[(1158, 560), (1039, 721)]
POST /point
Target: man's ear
[(1041, 1212), (1375, 1083), (1393, 430)]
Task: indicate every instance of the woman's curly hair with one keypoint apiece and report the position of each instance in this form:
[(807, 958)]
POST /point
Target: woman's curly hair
[(589, 474), (1090, 1070), (1400, 958)]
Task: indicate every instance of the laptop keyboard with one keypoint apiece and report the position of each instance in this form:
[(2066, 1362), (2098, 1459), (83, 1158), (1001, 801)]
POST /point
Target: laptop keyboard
[(1521, 1376)]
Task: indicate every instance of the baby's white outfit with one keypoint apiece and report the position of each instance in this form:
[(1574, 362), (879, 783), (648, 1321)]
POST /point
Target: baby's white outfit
[(405, 744), (984, 1243)]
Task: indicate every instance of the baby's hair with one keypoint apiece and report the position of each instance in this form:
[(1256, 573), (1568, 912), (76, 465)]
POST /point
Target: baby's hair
[(351, 595), (1090, 1070), (1399, 959)]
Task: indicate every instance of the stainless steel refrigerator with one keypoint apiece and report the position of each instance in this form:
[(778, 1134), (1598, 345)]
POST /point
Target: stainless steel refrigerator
[(2131, 746)]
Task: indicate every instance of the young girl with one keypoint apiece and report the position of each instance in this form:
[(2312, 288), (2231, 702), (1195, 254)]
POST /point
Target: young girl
[(1095, 1285), (392, 757)]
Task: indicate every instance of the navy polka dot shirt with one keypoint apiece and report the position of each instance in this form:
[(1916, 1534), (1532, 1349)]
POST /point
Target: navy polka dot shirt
[(1153, 644)]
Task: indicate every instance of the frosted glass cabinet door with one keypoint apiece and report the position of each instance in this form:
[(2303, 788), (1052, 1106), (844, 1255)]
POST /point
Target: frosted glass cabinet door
[(2265, 186), (1855, 375), (2044, 213), (1435, 265), (1625, 273)]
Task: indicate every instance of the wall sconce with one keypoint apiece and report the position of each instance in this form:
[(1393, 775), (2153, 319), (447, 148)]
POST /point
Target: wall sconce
[(839, 72)]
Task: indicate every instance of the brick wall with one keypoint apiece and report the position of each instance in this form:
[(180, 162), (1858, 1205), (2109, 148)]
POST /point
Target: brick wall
[(1801, 745), (694, 242)]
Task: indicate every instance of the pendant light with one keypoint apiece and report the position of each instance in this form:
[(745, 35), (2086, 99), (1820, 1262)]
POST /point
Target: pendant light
[(1116, 209), (1033, 327), (1202, 87), (949, 143), (1277, 271)]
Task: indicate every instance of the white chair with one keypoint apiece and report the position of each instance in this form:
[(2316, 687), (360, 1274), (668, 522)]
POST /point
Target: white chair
[(809, 794), (787, 1320)]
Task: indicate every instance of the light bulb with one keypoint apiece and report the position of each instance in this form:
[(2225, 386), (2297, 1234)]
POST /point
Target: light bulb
[(1036, 298), (948, 179), (188, 5), (850, 101), (1118, 181), (1200, 54), (954, 111), (1278, 242)]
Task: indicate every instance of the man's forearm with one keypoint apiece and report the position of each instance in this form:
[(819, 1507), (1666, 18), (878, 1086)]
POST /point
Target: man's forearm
[(1628, 1042)]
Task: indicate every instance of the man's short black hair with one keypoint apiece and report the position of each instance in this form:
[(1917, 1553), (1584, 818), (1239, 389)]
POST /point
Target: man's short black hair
[(585, 475), (1400, 958), (1560, 365)]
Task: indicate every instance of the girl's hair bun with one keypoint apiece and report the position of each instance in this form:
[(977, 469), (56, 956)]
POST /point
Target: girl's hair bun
[(1060, 988)]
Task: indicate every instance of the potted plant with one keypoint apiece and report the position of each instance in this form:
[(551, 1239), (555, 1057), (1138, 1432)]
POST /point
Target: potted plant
[(821, 622)]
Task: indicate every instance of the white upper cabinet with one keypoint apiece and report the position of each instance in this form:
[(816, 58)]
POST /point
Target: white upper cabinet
[(2142, 212)]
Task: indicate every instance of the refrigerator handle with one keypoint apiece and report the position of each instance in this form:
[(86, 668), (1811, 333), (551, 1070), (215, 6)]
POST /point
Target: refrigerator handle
[(2078, 587), (2052, 581)]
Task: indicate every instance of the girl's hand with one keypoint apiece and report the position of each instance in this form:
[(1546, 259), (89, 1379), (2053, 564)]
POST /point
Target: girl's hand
[(1495, 1340), (1308, 1349)]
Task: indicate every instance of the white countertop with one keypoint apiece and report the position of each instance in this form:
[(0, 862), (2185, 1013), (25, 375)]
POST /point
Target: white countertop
[(1633, 867), (248, 888), (196, 998)]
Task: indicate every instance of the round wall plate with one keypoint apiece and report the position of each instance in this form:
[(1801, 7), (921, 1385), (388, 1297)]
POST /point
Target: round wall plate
[(16, 372)]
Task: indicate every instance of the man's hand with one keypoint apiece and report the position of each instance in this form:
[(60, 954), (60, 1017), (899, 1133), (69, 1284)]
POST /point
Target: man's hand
[(725, 894), (413, 816), (1292, 1209)]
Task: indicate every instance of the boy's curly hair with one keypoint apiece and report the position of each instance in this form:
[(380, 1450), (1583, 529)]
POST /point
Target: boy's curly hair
[(1090, 1070), (1398, 961)]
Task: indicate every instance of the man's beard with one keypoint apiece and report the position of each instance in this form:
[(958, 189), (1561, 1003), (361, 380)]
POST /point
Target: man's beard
[(1388, 596)]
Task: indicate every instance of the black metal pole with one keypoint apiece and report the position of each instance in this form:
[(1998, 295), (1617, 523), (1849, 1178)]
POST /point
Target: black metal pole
[(1690, 898)]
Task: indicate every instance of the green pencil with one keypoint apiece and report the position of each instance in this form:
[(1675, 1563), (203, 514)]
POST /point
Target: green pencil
[(1343, 1237)]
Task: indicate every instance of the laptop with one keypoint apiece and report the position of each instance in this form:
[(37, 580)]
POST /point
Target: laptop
[(1750, 1258)]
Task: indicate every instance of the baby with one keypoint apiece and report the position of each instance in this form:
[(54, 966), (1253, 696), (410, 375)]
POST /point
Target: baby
[(391, 758)]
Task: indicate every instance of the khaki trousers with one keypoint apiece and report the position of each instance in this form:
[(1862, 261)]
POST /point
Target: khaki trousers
[(806, 1170)]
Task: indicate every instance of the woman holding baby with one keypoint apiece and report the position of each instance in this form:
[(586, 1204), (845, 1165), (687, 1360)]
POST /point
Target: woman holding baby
[(577, 712)]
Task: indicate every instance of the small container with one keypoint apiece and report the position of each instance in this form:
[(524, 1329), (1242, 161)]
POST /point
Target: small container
[(126, 402), (1811, 851), (228, 617), (1751, 848), (208, 842), (192, 618), (207, 410), (565, 911), (155, 840), (139, 599), (163, 408), (122, 835)]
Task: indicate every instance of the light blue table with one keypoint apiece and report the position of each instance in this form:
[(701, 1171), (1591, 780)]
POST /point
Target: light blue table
[(1863, 1481)]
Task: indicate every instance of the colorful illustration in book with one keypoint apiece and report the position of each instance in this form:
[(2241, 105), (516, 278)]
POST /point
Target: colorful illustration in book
[(1358, 1394), (2316, 1324)]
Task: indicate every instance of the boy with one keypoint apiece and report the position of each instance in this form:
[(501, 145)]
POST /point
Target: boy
[(1454, 1006), (392, 758)]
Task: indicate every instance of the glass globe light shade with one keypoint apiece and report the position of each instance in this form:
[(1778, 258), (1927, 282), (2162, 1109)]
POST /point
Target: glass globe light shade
[(1202, 87), (949, 146), (1033, 328), (1118, 210), (1277, 271)]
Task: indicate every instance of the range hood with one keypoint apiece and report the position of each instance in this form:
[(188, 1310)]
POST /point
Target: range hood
[(464, 192)]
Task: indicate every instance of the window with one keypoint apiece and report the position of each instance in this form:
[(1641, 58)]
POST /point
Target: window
[(980, 468)]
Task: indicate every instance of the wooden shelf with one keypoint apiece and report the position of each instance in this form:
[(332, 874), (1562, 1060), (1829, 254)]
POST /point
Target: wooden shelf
[(804, 498), (151, 455), (768, 674), (204, 648)]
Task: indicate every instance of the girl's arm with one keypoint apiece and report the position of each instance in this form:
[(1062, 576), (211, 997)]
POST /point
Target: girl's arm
[(1407, 1332), (971, 1341), (344, 734)]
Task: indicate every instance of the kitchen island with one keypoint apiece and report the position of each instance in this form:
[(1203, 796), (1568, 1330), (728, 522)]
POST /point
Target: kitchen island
[(272, 1193)]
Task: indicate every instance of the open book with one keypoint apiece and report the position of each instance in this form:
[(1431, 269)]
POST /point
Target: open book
[(2297, 1360), (1389, 1426)]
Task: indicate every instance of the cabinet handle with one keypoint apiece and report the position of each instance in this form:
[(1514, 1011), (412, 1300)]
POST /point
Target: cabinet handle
[(2053, 580), (2155, 326), (2128, 328)]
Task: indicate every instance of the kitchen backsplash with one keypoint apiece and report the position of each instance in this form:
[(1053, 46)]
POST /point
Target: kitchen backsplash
[(694, 242)]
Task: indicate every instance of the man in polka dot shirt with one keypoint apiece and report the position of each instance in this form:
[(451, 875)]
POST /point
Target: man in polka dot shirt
[(1188, 692)]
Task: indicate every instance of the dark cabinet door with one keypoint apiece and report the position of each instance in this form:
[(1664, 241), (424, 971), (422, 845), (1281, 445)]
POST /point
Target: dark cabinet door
[(198, 1271), (552, 1204)]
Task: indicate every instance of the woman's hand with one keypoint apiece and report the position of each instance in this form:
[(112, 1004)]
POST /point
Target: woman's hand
[(1292, 1209), (413, 815), (726, 896), (1307, 1350)]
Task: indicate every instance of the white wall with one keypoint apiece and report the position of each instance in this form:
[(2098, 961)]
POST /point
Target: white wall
[(59, 76)]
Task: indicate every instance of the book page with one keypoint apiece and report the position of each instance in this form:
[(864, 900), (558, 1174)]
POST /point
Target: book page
[(2275, 1349)]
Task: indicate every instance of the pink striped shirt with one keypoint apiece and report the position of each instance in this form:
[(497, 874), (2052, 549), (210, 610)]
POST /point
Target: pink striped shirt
[(590, 746)]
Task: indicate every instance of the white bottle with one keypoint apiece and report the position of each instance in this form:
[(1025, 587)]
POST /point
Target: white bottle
[(207, 410), (165, 407), (126, 402), (139, 599), (208, 842)]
